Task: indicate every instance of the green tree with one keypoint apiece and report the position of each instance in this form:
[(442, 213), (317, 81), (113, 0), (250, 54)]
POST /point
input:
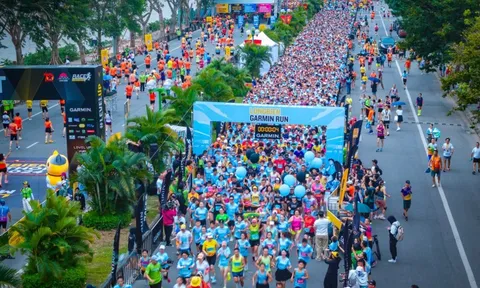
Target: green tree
[(299, 18), (284, 32), (213, 86), (9, 277), (254, 56), (433, 26), (110, 172), (183, 102), (463, 84), (52, 239), (152, 129), (235, 77)]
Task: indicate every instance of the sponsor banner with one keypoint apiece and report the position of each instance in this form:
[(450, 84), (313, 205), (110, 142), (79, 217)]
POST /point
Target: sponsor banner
[(209, 19), (236, 7), (256, 21), (240, 21), (264, 131), (222, 8), (355, 133), (264, 8), (272, 21), (204, 113), (149, 42), (250, 8), (105, 55)]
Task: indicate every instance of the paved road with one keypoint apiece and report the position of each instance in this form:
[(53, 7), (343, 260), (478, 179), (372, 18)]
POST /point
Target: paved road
[(429, 256)]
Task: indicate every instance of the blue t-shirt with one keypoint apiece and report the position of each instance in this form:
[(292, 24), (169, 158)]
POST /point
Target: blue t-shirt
[(201, 213), (186, 271), (162, 258), (197, 233), (4, 210), (368, 251), (231, 210), (282, 263), (285, 244), (304, 251), (243, 246), (239, 228), (270, 244), (224, 254), (221, 234), (333, 246)]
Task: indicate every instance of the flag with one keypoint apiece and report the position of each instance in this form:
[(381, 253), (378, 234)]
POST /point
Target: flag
[(346, 247), (351, 155), (355, 133), (165, 187), (116, 248), (356, 216)]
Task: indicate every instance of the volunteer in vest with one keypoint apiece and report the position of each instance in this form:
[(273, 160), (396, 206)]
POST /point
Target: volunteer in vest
[(435, 165), (238, 264), (27, 196), (5, 215), (447, 154), (3, 167), (44, 106), (29, 104), (48, 130)]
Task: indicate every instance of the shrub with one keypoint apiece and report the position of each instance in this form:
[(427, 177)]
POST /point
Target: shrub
[(106, 222), (43, 55), (72, 278)]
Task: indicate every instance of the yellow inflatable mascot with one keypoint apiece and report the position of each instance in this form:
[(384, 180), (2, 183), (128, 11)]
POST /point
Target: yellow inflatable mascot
[(57, 165)]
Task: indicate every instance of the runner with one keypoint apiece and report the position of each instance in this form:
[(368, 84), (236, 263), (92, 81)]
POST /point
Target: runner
[(48, 131), (380, 136), (475, 157), (3, 168), (44, 107), (210, 249), (261, 278), (435, 165), (238, 264), (6, 123), (448, 150), (153, 273), (300, 275), (407, 198), (29, 104)]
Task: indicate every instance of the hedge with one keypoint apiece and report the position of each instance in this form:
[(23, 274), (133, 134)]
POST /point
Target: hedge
[(43, 55), (106, 222), (71, 278)]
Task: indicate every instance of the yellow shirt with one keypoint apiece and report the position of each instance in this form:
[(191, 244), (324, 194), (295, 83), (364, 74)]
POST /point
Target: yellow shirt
[(43, 103), (210, 247), (29, 104), (362, 69), (364, 78)]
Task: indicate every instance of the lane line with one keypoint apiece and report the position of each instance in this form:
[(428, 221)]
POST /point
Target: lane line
[(441, 192), (28, 147), (23, 120)]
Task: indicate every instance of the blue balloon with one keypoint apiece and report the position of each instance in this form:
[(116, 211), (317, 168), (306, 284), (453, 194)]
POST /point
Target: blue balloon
[(241, 172), (299, 191), (289, 180), (309, 156), (284, 190), (316, 163)]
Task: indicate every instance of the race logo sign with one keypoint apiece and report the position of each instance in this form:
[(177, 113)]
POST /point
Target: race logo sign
[(265, 131)]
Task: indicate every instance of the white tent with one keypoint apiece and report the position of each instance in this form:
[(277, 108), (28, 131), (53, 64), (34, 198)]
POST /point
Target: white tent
[(273, 48)]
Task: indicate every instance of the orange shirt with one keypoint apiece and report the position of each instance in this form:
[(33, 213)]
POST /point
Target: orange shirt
[(153, 96), (64, 117), (147, 60), (62, 102), (408, 63), (113, 71), (123, 65), (174, 64), (371, 113), (13, 128), (160, 66), (190, 53), (136, 83), (187, 65), (180, 64), (48, 124), (157, 46), (18, 121), (132, 78), (389, 56), (169, 74), (128, 90)]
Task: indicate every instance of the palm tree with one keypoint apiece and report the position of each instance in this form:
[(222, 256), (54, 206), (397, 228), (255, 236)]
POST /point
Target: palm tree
[(213, 86), (52, 239), (182, 103), (236, 78), (110, 173), (152, 129), (9, 277), (254, 56)]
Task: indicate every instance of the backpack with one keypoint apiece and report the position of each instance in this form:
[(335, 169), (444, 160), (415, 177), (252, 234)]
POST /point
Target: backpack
[(378, 170), (400, 233)]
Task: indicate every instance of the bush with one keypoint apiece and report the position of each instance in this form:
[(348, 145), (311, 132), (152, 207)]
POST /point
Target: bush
[(106, 222), (72, 278), (43, 55)]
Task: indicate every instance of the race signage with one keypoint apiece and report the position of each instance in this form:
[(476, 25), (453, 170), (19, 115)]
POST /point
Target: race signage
[(264, 131)]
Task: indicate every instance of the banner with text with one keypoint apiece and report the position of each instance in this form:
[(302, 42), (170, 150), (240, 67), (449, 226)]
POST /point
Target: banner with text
[(240, 21), (237, 8), (264, 8), (149, 42), (222, 8), (250, 8), (256, 21), (204, 113), (265, 131)]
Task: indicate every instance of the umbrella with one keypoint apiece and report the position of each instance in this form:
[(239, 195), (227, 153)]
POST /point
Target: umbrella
[(398, 103), (374, 79), (362, 208)]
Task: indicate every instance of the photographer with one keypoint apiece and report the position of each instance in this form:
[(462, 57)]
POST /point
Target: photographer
[(331, 278)]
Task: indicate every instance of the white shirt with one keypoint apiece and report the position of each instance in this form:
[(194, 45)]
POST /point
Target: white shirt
[(447, 149), (321, 226), (476, 153), (159, 185), (399, 112), (386, 115)]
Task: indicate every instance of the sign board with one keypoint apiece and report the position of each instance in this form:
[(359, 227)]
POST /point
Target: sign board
[(264, 8), (250, 8), (204, 113), (265, 131), (209, 19), (149, 42), (222, 8), (236, 8), (79, 86), (105, 57), (272, 21), (240, 21)]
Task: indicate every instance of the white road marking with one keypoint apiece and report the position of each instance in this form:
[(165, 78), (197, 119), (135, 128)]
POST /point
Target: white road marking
[(441, 192), (23, 120), (28, 147)]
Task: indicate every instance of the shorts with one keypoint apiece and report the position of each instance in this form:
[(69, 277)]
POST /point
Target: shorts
[(108, 123), (404, 81), (29, 109), (381, 137), (381, 204), (447, 157), (3, 170), (44, 109), (136, 89), (254, 242), (400, 118), (211, 260), (435, 172), (386, 123), (5, 126), (222, 266), (310, 234), (127, 76), (158, 285), (48, 130), (147, 66), (129, 97), (119, 76), (231, 223), (203, 222), (64, 124), (3, 225), (476, 160), (407, 204), (380, 110), (13, 137), (237, 274), (152, 102)]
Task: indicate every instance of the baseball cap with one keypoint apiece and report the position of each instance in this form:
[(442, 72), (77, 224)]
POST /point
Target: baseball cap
[(196, 281), (183, 226), (162, 247), (372, 282), (408, 181), (209, 236), (155, 258)]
